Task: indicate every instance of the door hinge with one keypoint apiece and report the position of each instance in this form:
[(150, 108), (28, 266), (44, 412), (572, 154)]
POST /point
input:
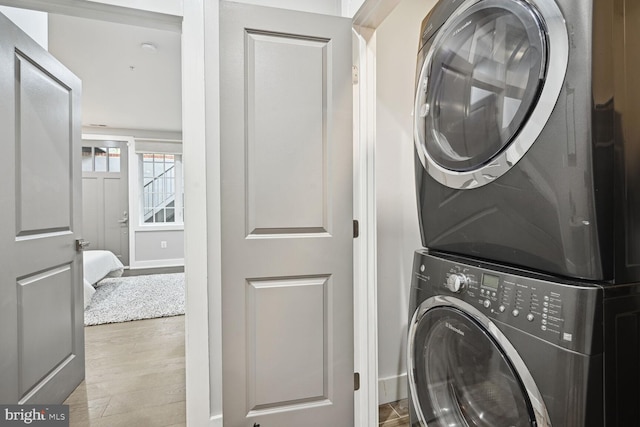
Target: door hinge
[(355, 74), (356, 229), (356, 381)]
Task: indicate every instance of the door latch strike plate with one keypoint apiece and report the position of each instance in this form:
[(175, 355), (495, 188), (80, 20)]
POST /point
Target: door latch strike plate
[(356, 381), (356, 229)]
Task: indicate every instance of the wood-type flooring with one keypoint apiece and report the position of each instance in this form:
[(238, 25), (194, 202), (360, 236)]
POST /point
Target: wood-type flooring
[(135, 375)]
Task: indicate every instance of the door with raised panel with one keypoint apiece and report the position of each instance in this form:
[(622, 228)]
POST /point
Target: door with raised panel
[(41, 294), (287, 211), (105, 196)]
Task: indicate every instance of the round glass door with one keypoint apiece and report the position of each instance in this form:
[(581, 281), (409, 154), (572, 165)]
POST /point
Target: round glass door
[(462, 378), (480, 82)]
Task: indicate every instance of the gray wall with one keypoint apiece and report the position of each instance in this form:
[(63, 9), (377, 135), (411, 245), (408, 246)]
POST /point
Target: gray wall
[(149, 245), (398, 233)]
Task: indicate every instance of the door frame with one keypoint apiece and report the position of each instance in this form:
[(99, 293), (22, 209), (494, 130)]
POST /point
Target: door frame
[(201, 125), (365, 23)]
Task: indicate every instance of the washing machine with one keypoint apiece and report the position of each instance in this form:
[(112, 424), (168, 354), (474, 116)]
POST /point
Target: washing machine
[(527, 134), (491, 346)]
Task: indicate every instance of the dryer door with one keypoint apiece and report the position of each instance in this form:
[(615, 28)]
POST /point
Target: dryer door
[(464, 373), (488, 83)]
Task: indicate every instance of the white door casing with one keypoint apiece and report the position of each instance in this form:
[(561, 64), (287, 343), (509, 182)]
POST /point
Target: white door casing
[(41, 292), (287, 211)]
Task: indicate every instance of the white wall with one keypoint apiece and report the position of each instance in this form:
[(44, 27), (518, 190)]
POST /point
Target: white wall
[(350, 7), (397, 222), (32, 22), (170, 7)]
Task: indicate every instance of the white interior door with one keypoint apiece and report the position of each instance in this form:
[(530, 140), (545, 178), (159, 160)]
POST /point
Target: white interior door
[(287, 211), (41, 293), (105, 191)]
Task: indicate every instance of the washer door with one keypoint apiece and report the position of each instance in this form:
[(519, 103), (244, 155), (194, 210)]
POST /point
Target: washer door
[(487, 86), (465, 373)]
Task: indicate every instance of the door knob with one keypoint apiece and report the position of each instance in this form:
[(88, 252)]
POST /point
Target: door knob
[(81, 244), (125, 218)]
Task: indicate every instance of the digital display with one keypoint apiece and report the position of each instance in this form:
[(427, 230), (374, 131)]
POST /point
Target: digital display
[(489, 281)]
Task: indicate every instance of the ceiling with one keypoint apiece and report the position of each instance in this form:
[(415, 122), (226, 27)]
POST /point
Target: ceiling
[(124, 85)]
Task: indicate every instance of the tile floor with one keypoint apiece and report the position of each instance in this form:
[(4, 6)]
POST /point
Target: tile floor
[(394, 414)]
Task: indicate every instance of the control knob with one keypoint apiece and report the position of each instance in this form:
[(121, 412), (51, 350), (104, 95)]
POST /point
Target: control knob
[(456, 282)]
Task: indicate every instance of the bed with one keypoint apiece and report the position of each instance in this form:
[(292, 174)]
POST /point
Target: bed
[(98, 265)]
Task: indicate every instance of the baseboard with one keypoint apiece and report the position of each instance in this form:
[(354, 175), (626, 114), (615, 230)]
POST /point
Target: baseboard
[(145, 271), (392, 389), (135, 265)]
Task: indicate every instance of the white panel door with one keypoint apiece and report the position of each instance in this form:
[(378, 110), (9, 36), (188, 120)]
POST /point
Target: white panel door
[(105, 196), (287, 211), (41, 293)]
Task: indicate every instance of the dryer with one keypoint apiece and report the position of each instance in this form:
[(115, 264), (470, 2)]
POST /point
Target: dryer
[(493, 346), (527, 135)]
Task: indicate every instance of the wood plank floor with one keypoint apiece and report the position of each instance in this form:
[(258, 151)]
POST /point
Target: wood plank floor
[(134, 375)]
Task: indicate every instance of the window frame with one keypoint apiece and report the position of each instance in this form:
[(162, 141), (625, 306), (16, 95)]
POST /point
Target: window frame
[(178, 192), (162, 148)]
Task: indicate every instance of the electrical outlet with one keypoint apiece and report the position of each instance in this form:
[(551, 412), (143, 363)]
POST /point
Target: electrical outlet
[(163, 244)]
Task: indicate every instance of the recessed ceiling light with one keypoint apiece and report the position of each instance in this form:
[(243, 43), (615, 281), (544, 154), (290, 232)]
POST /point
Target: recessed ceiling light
[(149, 46)]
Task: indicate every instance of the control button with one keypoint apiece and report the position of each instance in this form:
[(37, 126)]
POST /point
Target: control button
[(546, 310), (546, 304), (515, 312), (544, 322), (456, 282), (546, 298), (493, 294), (482, 291), (530, 317), (544, 316), (544, 328), (486, 303), (501, 309)]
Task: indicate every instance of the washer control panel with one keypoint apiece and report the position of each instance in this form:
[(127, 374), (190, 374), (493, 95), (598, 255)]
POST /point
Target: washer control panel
[(456, 282), (555, 312)]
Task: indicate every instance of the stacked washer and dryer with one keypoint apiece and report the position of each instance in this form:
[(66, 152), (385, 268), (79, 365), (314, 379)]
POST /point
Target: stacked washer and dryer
[(525, 301)]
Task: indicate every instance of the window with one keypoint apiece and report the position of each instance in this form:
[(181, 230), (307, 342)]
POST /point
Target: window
[(162, 191), (101, 159)]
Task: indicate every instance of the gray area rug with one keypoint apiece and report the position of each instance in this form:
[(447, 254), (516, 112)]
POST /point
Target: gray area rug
[(121, 299)]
